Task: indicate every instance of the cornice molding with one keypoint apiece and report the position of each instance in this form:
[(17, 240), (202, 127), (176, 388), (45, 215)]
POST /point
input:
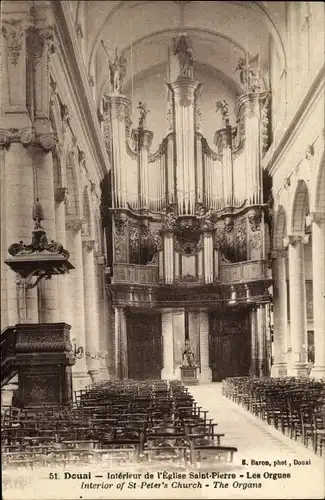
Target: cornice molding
[(72, 60), (290, 126)]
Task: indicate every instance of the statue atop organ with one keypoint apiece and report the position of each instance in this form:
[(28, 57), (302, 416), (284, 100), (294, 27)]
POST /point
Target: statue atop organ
[(189, 220)]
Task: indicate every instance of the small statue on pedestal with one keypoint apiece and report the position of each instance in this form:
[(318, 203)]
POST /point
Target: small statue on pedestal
[(143, 109), (184, 51), (188, 355), (117, 71), (250, 73)]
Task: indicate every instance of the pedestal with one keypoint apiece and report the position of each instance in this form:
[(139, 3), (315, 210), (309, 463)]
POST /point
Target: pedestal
[(189, 375), (44, 360)]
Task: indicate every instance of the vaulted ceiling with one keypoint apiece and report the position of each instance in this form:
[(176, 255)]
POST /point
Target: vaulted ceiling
[(221, 32)]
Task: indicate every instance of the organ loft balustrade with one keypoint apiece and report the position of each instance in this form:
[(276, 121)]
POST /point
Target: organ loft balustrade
[(188, 223)]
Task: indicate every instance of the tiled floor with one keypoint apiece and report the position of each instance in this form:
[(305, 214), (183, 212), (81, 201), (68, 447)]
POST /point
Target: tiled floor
[(254, 439)]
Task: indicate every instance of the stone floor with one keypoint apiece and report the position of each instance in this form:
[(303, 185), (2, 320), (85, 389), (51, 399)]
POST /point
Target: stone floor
[(254, 439)]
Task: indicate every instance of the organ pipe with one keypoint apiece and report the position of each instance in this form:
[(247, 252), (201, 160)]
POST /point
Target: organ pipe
[(184, 92), (208, 257)]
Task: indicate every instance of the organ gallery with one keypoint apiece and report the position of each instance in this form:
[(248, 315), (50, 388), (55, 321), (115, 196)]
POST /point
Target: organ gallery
[(190, 230)]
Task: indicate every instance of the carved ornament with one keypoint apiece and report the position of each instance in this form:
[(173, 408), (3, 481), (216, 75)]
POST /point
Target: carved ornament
[(47, 141), (188, 241), (228, 224), (13, 33), (255, 240), (293, 239), (121, 222), (169, 219), (157, 241), (254, 219), (25, 136), (89, 244), (74, 224)]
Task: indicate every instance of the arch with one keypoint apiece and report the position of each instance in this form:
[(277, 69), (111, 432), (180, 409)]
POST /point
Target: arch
[(280, 228), (300, 207), (255, 6)]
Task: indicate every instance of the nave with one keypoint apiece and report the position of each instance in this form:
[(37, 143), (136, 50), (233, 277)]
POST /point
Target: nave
[(140, 427)]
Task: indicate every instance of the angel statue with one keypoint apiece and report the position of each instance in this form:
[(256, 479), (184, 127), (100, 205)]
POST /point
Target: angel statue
[(249, 72), (222, 107), (184, 51), (117, 71), (143, 109)]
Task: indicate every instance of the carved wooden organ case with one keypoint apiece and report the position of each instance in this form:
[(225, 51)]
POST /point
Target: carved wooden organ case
[(185, 210)]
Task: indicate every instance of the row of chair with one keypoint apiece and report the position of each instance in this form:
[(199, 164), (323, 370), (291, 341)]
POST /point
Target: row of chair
[(117, 422), (296, 406)]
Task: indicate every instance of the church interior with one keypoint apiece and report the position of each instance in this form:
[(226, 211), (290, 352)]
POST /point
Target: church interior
[(162, 224)]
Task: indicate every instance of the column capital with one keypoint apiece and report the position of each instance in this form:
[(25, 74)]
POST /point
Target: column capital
[(24, 135), (89, 244), (294, 240), (13, 32)]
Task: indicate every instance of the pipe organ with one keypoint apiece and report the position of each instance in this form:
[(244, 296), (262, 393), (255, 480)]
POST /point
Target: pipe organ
[(190, 216)]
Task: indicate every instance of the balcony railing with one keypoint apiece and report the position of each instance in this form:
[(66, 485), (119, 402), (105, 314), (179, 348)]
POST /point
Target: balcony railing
[(135, 274), (253, 270), (240, 272)]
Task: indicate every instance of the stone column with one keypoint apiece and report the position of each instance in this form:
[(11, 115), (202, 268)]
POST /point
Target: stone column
[(280, 315), (253, 370), (61, 200), (90, 312), (18, 177), (168, 373), (103, 316), (206, 372), (261, 333), (121, 361), (298, 320), (76, 306), (318, 253)]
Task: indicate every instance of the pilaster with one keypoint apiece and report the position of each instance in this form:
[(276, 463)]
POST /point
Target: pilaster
[(75, 298), (280, 314), (205, 372), (298, 320), (90, 312), (318, 256)]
